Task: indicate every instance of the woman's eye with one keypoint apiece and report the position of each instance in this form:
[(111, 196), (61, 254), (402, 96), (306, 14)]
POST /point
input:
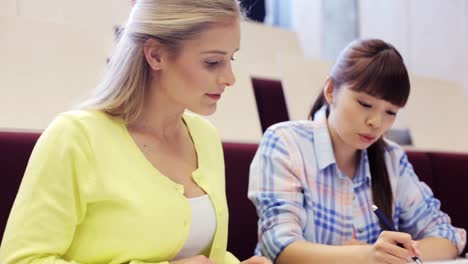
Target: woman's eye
[(364, 104), (212, 63), (391, 113)]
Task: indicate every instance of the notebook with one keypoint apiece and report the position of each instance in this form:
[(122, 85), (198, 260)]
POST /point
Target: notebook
[(454, 261)]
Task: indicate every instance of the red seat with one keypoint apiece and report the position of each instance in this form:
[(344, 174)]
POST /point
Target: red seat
[(271, 102), (445, 173), (15, 149)]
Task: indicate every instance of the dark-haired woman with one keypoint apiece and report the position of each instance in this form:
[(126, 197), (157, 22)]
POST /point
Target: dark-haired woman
[(314, 182)]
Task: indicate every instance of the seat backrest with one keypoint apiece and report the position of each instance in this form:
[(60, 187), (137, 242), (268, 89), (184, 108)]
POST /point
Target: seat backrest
[(271, 102), (242, 214), (451, 185), (422, 167), (445, 173), (15, 149)]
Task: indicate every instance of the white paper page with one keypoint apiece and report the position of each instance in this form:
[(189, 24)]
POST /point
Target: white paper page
[(456, 261)]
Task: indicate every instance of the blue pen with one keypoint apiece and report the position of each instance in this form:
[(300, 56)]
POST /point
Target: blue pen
[(386, 223)]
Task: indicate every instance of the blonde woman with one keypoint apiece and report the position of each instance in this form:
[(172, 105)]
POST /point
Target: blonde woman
[(131, 177)]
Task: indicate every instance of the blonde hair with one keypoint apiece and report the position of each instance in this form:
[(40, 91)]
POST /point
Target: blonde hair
[(121, 91)]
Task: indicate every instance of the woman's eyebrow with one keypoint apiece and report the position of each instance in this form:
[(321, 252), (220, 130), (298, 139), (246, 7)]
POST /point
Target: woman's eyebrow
[(215, 52), (222, 52)]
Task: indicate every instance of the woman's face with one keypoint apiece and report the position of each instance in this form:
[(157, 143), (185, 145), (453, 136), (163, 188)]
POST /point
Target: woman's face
[(197, 77), (358, 119)]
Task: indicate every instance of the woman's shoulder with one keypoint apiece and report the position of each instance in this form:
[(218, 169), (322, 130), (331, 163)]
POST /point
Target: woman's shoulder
[(298, 136), (395, 154), (299, 128), (394, 148), (75, 122), (85, 116)]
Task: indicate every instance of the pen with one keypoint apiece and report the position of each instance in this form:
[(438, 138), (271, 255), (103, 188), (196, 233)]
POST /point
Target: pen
[(386, 223)]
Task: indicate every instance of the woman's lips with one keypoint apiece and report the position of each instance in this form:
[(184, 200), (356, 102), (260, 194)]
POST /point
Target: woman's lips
[(214, 96), (367, 138)]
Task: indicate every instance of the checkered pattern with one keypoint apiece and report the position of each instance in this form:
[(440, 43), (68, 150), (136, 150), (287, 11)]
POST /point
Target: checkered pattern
[(300, 194)]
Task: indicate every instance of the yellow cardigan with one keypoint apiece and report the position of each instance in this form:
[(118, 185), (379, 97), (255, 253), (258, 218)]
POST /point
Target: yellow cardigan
[(90, 196)]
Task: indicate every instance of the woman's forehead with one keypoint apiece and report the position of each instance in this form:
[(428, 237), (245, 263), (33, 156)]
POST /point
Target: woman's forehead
[(367, 96)]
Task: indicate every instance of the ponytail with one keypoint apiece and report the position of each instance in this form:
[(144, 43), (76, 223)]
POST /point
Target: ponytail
[(382, 194), (319, 103)]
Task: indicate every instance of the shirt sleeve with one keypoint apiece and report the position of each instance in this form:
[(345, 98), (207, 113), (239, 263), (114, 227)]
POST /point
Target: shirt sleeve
[(277, 192), (420, 210), (49, 202)]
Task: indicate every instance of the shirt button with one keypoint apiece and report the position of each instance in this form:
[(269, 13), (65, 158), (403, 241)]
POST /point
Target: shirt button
[(360, 230)]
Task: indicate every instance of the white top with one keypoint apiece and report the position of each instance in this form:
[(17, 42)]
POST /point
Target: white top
[(202, 228)]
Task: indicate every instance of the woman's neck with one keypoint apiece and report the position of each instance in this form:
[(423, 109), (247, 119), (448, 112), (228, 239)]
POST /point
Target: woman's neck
[(160, 127), (160, 117), (346, 156)]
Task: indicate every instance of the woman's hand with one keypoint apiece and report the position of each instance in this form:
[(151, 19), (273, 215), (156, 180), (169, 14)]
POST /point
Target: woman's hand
[(393, 248), (354, 242), (256, 260), (193, 260)]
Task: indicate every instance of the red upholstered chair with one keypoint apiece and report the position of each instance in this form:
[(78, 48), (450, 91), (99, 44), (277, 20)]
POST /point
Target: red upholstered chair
[(15, 149), (445, 173), (242, 236), (451, 185), (271, 103), (422, 167)]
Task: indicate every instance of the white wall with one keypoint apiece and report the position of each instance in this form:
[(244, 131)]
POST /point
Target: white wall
[(50, 63), (307, 22), (431, 34), (102, 14), (437, 114), (388, 20), (46, 68), (8, 8), (465, 72)]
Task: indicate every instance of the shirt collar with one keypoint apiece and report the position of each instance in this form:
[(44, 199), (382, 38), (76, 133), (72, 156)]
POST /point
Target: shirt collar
[(322, 140)]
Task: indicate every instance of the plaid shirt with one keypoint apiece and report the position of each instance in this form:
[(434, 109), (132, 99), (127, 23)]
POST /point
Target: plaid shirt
[(300, 193)]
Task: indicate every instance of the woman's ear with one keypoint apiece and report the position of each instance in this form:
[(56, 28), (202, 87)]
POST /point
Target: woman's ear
[(329, 91), (153, 49)]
